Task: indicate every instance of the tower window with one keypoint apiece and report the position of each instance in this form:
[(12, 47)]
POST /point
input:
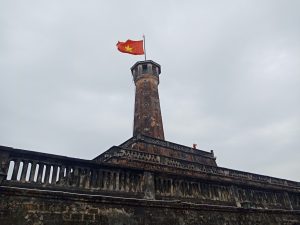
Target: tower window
[(144, 67), (154, 69)]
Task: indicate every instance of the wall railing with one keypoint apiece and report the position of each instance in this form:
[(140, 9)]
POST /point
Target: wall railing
[(130, 154), (33, 169), (21, 168)]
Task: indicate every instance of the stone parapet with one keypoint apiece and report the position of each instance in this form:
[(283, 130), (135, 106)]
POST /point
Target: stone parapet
[(131, 173), (19, 206)]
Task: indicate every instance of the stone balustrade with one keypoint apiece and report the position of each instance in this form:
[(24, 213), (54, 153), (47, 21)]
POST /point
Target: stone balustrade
[(130, 154), (33, 169), (20, 168)]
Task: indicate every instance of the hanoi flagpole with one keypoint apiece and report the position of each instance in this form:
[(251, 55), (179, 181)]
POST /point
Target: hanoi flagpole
[(144, 46)]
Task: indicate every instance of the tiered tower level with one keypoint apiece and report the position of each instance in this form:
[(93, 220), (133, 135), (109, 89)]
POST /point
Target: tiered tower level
[(144, 181)]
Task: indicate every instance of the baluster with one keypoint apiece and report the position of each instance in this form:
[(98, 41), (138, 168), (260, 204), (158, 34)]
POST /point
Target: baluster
[(82, 177), (47, 174), (100, 179), (181, 183), (137, 182), (15, 170), (32, 172), (61, 178), (140, 182), (190, 189), (181, 187), (132, 182), (24, 171), (163, 185), (171, 187), (186, 188), (71, 176), (104, 179), (76, 177), (40, 173), (93, 178), (54, 174), (97, 174), (87, 179), (68, 175), (111, 180), (96, 183), (121, 181), (127, 181), (117, 181), (97, 179), (199, 188)]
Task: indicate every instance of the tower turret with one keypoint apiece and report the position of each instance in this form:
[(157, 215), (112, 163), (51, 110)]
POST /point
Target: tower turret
[(147, 114)]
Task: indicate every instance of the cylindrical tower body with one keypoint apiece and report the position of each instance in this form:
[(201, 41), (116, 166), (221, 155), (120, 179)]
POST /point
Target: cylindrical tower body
[(147, 114)]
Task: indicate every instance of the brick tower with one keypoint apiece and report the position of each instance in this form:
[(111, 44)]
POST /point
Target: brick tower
[(147, 114)]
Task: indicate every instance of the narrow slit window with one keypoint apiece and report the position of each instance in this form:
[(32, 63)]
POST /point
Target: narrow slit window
[(144, 67)]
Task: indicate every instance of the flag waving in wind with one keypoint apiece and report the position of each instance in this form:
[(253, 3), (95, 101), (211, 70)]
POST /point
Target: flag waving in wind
[(131, 47)]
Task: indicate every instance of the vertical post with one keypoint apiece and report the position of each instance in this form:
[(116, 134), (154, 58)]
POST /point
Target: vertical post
[(4, 165), (149, 187), (144, 46)]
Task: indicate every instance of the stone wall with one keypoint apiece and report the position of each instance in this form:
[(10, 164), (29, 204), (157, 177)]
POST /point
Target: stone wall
[(38, 188), (201, 191), (36, 207), (174, 152)]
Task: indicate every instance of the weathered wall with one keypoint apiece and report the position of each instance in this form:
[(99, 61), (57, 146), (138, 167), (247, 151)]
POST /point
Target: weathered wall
[(33, 207), (168, 149), (202, 191), (48, 189)]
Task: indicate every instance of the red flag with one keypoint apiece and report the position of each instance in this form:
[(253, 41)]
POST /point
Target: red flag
[(131, 47)]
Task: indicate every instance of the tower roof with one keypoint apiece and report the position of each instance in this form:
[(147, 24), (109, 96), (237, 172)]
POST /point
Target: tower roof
[(146, 62)]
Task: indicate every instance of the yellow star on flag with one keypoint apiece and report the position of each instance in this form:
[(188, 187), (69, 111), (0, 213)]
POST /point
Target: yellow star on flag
[(131, 47), (128, 48)]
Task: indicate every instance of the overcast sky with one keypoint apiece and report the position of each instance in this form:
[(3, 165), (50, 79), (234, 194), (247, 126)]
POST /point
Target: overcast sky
[(230, 77)]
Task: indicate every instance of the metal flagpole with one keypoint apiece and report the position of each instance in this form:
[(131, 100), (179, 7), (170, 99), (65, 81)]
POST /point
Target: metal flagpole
[(144, 46)]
